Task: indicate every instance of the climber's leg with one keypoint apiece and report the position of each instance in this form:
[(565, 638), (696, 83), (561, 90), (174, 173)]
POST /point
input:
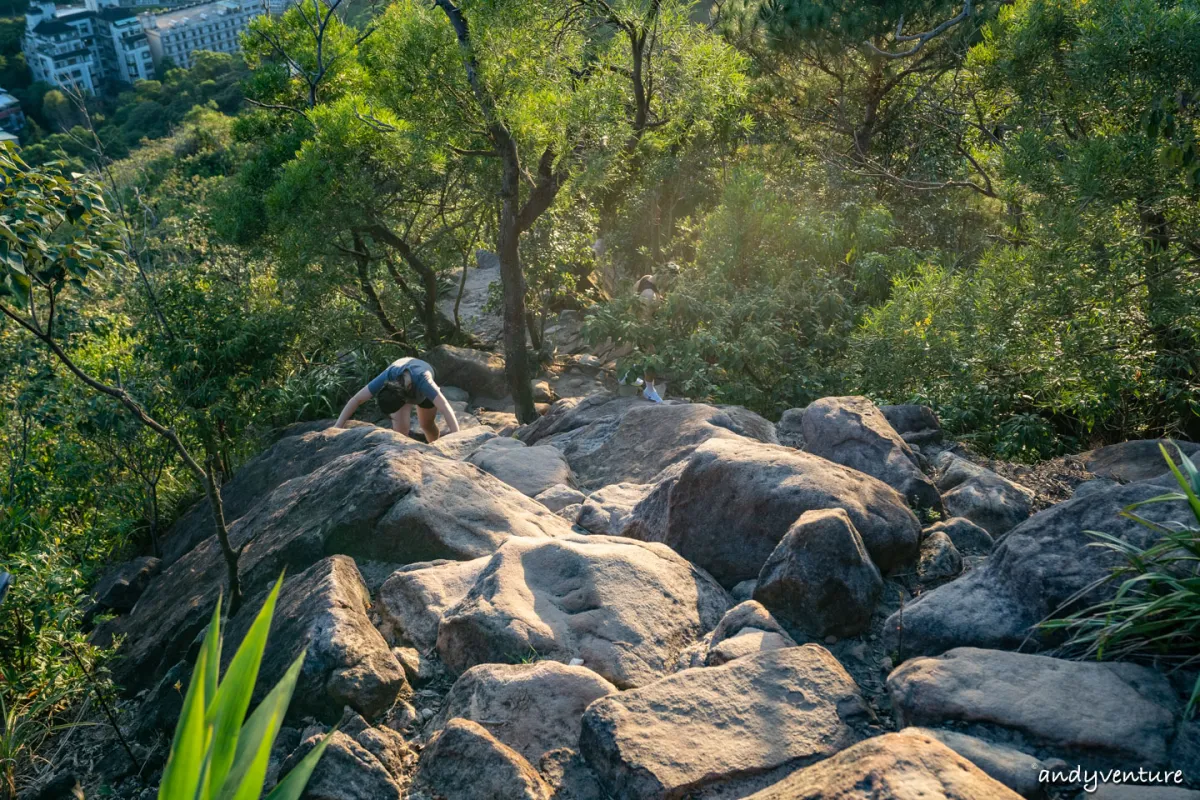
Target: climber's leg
[(428, 419), (402, 419)]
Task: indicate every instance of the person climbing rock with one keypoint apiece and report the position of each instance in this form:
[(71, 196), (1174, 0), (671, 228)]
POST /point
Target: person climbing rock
[(405, 383), (649, 299)]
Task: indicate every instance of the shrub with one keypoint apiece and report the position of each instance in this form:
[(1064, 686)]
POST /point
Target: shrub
[(215, 755), (1155, 612)]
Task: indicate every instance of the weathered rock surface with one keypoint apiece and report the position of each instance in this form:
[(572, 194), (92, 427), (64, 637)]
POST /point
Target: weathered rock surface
[(121, 586), (532, 708), (479, 372), (747, 642), (460, 444), (647, 520), (465, 762), (852, 432), (992, 502), (611, 440), (413, 601), (559, 496), (820, 577), (301, 450), (940, 559), (323, 611), (607, 511), (1117, 710), (896, 766), (916, 424), (966, 535), (1017, 770), (747, 614), (626, 608), (359, 762), (529, 470), (400, 502), (1138, 460), (1032, 572), (789, 430), (736, 499), (723, 731)]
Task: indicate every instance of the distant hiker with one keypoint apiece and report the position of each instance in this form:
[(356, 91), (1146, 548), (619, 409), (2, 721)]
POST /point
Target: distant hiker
[(649, 299), (405, 383)]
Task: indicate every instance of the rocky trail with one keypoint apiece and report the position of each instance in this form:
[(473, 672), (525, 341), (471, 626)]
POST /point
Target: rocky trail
[(627, 600)]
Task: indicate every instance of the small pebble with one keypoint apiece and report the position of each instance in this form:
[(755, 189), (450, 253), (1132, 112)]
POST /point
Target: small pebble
[(886, 665), (576, 662), (426, 713), (830, 640)]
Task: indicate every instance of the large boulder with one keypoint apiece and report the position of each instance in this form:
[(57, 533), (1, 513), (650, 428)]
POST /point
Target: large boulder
[(400, 503), (611, 440), (532, 708), (560, 496), (608, 510), (413, 601), (300, 451), (896, 766), (992, 502), (790, 428), (1114, 710), (463, 443), (736, 499), (723, 731), (529, 470), (479, 372), (465, 762), (359, 762), (916, 424), (820, 577), (1014, 768), (121, 587), (1044, 566), (966, 535), (322, 612), (367, 762), (1138, 460), (625, 608), (851, 431), (940, 559)]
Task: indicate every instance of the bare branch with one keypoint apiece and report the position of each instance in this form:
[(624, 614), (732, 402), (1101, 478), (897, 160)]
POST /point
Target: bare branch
[(921, 39)]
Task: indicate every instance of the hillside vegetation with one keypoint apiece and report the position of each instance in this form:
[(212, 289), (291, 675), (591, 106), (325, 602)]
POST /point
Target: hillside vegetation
[(992, 210)]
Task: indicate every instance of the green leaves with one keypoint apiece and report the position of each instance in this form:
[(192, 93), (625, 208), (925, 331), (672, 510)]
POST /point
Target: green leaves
[(1155, 610), (55, 232), (214, 756)]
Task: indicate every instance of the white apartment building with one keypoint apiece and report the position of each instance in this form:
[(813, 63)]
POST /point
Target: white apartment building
[(60, 46), (217, 26), (81, 47)]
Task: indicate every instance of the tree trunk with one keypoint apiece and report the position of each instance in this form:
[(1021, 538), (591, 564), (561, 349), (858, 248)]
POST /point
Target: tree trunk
[(213, 489), (362, 262), (512, 279)]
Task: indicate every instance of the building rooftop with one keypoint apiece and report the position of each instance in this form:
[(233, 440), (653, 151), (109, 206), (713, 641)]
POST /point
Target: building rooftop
[(185, 14), (113, 14)]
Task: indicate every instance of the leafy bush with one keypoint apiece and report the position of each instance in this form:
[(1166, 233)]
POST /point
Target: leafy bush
[(215, 755), (1155, 612)]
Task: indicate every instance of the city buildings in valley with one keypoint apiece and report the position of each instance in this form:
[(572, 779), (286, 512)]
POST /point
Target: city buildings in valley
[(217, 26), (80, 47)]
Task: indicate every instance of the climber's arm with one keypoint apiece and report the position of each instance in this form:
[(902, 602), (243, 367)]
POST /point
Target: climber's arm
[(443, 405), (364, 394)]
